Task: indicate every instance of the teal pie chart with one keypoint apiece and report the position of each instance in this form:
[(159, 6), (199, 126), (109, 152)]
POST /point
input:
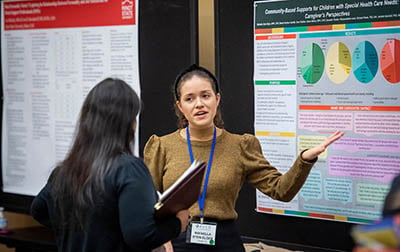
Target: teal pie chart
[(365, 62), (312, 63)]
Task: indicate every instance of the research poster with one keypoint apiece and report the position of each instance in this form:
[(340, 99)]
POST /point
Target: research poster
[(322, 66), (52, 53)]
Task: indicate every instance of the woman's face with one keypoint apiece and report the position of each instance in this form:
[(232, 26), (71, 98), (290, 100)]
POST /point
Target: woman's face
[(198, 102)]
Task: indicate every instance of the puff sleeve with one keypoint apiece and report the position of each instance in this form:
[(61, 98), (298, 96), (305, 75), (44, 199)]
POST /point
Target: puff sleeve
[(154, 158)]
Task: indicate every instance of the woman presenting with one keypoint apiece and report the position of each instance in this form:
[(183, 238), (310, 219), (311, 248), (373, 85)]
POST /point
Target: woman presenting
[(232, 160)]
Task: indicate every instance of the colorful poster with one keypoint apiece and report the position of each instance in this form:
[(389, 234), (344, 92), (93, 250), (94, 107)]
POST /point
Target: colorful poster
[(53, 52), (321, 67)]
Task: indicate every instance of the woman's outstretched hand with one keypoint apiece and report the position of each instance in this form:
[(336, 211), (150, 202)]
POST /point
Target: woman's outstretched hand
[(312, 153)]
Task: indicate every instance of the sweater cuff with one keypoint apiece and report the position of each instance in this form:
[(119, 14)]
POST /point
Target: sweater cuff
[(307, 161)]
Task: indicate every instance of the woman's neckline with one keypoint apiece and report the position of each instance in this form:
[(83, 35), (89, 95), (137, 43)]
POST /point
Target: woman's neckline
[(182, 133)]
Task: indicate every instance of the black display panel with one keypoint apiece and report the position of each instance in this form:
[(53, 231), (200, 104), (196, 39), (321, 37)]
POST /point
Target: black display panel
[(168, 41)]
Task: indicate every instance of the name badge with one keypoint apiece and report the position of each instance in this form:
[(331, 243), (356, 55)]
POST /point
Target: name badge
[(201, 233)]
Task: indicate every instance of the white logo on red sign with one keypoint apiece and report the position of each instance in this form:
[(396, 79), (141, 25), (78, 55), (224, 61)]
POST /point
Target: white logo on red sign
[(127, 9)]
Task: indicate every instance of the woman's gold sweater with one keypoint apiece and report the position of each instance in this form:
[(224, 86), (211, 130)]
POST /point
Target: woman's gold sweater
[(237, 158)]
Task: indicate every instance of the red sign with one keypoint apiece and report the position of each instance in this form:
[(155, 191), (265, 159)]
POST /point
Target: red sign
[(45, 14)]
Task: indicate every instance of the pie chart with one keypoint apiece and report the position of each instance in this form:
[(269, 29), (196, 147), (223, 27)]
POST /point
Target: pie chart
[(365, 62), (390, 61), (338, 62), (312, 63)]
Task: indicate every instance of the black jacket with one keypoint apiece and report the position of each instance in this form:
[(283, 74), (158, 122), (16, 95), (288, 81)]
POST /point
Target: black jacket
[(123, 222)]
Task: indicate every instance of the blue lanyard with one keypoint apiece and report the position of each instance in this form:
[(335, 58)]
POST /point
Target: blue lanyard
[(202, 197)]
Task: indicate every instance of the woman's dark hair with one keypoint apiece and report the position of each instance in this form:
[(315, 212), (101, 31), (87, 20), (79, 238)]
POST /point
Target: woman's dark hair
[(187, 74), (105, 129)]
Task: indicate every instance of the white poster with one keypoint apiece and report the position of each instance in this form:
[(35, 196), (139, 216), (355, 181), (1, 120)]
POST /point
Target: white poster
[(53, 53)]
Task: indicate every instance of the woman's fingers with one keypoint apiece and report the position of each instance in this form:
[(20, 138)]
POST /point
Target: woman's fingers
[(332, 138)]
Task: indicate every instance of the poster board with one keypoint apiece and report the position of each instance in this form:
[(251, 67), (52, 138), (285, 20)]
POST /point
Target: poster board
[(50, 62), (161, 22), (321, 67)]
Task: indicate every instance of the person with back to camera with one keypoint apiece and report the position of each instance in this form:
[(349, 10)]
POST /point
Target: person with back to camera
[(391, 204), (101, 197), (232, 160), (376, 236)]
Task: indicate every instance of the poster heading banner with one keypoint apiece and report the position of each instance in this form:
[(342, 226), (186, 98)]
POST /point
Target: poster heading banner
[(47, 14), (306, 13)]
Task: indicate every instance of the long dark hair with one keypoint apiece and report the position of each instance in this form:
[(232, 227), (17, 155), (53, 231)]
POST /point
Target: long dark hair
[(105, 129), (187, 74)]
